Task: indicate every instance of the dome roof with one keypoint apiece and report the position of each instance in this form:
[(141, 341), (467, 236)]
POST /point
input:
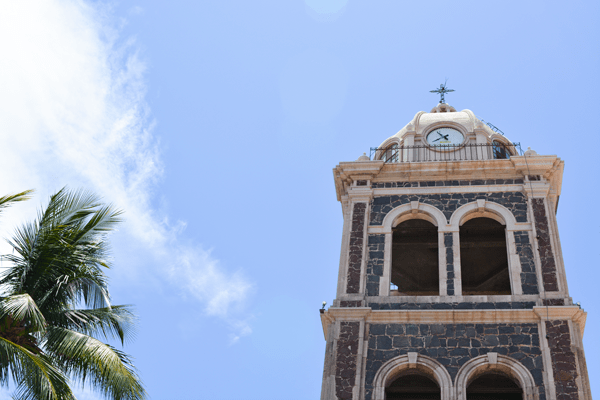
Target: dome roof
[(443, 115)]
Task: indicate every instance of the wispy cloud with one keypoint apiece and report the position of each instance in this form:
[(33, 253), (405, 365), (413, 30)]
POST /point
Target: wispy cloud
[(73, 112)]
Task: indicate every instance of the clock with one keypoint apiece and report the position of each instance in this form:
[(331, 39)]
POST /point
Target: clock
[(445, 137)]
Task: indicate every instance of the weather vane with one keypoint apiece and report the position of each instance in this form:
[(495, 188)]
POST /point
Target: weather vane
[(443, 89)]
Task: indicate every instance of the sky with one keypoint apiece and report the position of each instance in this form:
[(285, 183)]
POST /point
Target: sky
[(215, 127)]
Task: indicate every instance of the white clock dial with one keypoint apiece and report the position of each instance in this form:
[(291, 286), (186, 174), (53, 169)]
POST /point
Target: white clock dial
[(445, 137)]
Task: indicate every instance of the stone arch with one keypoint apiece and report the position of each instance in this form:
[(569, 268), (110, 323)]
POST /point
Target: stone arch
[(483, 208), (391, 369), (412, 210), (494, 362)]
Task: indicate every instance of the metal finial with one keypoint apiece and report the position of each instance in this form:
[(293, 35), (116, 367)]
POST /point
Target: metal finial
[(443, 89)]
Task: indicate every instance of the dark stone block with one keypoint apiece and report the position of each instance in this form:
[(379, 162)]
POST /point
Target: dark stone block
[(372, 342), (395, 329), (464, 342), (373, 289), (378, 270), (460, 351), (400, 341), (443, 360), (377, 329), (452, 342), (384, 343), (416, 342), (490, 340), (438, 329), (520, 339), (424, 329), (412, 329), (465, 306)]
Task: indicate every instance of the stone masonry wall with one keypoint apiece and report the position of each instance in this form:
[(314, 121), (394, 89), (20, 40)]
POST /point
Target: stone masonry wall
[(376, 251), (356, 248), (453, 345), (475, 182), (544, 246), (346, 357), (564, 367), (448, 203), (529, 282), (448, 243)]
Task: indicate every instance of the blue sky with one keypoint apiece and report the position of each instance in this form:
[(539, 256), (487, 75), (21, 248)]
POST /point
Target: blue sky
[(215, 126)]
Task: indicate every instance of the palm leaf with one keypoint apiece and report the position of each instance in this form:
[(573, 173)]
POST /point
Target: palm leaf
[(36, 376), (21, 307), (109, 370), (116, 322), (6, 201)]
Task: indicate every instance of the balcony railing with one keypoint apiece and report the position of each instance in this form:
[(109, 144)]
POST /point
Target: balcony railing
[(464, 152)]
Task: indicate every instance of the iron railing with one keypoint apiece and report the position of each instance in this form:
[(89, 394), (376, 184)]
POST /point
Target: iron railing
[(463, 152)]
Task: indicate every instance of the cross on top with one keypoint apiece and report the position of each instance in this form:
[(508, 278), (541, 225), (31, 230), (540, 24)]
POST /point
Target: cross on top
[(443, 89)]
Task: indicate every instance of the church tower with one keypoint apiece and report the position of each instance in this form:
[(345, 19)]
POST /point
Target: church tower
[(451, 283)]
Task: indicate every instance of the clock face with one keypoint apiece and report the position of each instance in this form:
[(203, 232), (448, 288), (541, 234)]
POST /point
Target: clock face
[(445, 137)]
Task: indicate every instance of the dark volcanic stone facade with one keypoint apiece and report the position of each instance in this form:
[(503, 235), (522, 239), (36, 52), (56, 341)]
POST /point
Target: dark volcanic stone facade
[(345, 363), (448, 242), (524, 251), (513, 305), (476, 182), (452, 345), (376, 247), (544, 246), (356, 247), (448, 203), (564, 367)]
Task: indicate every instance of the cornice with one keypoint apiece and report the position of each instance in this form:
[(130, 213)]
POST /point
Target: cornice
[(535, 315), (549, 168)]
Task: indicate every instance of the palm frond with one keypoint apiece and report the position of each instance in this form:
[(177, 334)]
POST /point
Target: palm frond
[(36, 376), (6, 201), (109, 371), (22, 308), (116, 322)]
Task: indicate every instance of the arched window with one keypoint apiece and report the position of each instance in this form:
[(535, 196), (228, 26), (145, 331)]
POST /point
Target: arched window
[(500, 150), (494, 386), (390, 154), (415, 265), (484, 258), (413, 385)]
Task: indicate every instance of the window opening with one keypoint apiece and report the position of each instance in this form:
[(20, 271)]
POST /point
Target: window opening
[(413, 385), (500, 151), (494, 386), (484, 258), (415, 264), (390, 154)]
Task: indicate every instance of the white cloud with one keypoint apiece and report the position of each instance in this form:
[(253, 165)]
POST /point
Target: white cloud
[(72, 112)]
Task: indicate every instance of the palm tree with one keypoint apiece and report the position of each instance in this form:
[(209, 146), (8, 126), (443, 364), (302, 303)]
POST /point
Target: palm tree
[(56, 303)]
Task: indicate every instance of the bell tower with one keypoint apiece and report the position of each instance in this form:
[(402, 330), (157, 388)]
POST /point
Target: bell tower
[(451, 282)]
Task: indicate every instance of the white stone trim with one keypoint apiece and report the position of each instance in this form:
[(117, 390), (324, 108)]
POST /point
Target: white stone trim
[(415, 210), (386, 279), (390, 370), (483, 208), (490, 363)]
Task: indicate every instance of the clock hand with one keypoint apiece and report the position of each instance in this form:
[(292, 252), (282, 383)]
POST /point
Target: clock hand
[(437, 139), (446, 137)]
